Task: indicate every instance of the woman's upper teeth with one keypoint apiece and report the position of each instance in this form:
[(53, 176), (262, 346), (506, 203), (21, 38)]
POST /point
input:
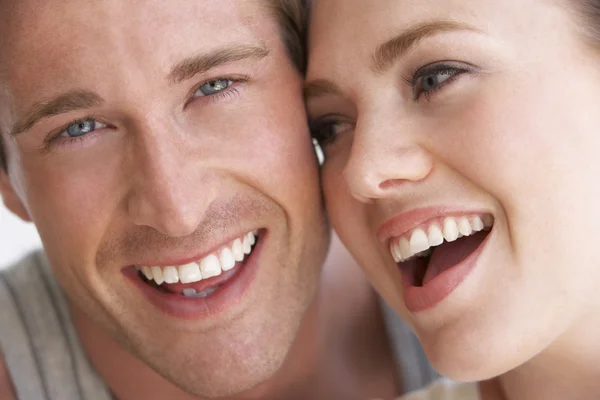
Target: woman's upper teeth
[(208, 267), (418, 241)]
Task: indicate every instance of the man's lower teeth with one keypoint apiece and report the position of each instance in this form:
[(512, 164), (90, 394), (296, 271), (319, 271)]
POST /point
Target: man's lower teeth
[(193, 294)]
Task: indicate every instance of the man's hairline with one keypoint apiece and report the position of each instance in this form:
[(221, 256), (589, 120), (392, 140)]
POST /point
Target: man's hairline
[(282, 32)]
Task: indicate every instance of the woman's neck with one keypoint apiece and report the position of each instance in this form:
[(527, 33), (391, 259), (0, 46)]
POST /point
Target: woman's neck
[(569, 369)]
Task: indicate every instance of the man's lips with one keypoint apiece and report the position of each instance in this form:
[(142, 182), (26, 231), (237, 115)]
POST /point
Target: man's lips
[(207, 296), (183, 253), (222, 259)]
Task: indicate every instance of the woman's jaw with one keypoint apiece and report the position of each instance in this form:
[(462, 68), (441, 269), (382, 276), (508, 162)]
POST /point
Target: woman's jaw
[(482, 304)]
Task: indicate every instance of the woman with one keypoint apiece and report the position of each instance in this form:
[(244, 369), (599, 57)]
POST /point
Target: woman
[(461, 141)]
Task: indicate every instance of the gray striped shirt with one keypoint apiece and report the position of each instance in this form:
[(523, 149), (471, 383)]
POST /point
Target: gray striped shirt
[(44, 356), (46, 360)]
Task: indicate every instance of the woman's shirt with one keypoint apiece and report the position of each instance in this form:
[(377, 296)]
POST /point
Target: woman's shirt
[(444, 389)]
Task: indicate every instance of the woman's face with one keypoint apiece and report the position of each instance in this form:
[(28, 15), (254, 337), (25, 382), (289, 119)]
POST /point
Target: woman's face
[(472, 116)]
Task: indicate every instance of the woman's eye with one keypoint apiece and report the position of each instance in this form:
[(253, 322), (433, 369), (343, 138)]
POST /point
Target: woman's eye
[(213, 87), (82, 127), (431, 82), (432, 78), (326, 132)]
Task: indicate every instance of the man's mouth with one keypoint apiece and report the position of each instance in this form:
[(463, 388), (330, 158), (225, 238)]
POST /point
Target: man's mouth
[(204, 277), (435, 247)]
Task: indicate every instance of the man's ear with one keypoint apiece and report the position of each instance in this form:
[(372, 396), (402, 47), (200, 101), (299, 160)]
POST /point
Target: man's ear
[(11, 199)]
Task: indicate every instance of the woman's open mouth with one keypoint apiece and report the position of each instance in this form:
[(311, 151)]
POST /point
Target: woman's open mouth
[(432, 257)]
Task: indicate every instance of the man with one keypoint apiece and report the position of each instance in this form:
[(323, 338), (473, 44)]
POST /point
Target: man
[(162, 152)]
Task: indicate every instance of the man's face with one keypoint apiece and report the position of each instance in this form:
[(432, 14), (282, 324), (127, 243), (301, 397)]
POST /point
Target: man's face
[(179, 128)]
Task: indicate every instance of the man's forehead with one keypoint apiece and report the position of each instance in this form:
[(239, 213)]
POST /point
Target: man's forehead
[(59, 19), (53, 45)]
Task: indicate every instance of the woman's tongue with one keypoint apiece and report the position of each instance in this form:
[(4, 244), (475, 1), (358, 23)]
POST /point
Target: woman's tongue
[(448, 255)]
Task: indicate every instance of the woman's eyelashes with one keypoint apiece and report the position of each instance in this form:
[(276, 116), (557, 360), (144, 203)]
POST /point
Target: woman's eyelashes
[(428, 80), (326, 130), (425, 82)]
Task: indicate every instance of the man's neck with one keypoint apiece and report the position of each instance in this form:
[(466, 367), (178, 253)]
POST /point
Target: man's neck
[(341, 351)]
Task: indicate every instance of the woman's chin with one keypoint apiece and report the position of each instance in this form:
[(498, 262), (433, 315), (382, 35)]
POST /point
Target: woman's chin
[(472, 360)]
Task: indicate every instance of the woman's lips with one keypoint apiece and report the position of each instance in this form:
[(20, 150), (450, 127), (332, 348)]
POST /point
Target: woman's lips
[(436, 252), (428, 281)]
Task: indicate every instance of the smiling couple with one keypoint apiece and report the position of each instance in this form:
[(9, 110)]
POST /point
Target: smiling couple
[(163, 152)]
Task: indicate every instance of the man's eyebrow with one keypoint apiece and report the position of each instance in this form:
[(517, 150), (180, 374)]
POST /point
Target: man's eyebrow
[(387, 53), (201, 63), (66, 102), (320, 87)]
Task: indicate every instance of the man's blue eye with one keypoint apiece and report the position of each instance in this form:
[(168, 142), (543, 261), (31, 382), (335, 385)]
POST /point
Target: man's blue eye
[(81, 128), (213, 87)]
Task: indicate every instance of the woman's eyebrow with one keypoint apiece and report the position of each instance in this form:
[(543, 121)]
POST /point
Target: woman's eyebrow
[(389, 52), (319, 88)]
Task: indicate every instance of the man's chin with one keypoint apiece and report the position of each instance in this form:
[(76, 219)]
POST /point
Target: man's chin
[(222, 371)]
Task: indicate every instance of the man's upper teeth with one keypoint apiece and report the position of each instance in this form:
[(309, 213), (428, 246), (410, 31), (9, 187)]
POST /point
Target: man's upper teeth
[(171, 274), (420, 240), (236, 249), (210, 266)]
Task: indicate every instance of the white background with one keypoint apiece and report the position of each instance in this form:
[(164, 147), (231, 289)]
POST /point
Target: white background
[(16, 237)]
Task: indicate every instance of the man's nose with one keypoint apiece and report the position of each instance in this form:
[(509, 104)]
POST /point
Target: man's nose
[(385, 158), (169, 191)]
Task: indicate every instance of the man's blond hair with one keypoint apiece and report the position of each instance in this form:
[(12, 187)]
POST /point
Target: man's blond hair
[(291, 17)]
